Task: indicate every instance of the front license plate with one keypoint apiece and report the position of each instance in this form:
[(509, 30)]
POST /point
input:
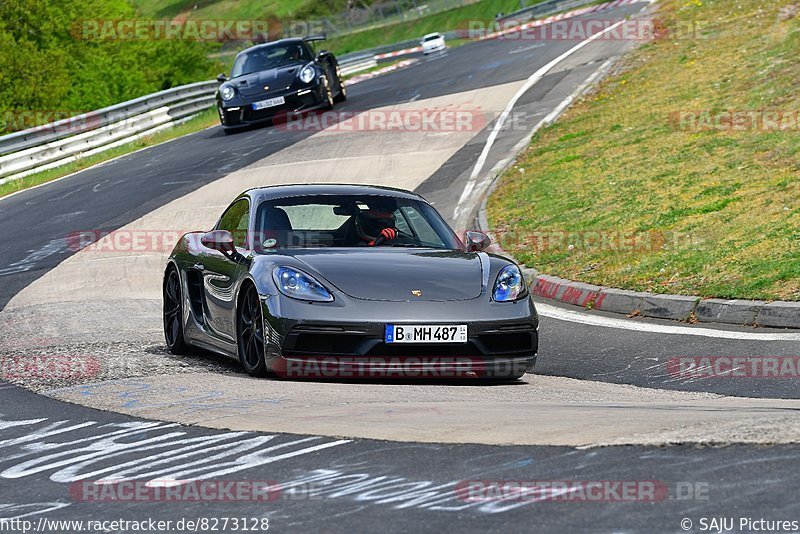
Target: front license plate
[(269, 103), (426, 333)]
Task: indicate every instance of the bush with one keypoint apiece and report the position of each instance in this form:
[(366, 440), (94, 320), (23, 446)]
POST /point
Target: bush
[(47, 70)]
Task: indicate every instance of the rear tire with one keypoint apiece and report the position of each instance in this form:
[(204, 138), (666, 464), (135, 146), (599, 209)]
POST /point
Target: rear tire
[(173, 313), (250, 333)]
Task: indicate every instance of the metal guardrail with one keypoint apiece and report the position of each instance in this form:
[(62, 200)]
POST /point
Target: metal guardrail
[(61, 142), (344, 58), (357, 64), (44, 147), (548, 7)]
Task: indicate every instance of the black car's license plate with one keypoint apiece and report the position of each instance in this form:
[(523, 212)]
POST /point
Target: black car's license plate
[(426, 333), (269, 103)]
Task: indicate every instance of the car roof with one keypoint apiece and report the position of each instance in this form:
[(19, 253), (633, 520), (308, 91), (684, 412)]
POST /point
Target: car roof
[(291, 40), (294, 190), (434, 34)]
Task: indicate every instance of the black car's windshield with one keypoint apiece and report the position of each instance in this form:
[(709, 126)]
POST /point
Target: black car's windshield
[(350, 221), (269, 57)]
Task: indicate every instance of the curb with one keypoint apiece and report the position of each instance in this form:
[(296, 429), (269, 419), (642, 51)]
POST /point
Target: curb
[(778, 314)]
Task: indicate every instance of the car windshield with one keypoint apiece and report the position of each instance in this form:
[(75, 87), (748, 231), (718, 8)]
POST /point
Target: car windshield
[(269, 57), (432, 37), (349, 221)]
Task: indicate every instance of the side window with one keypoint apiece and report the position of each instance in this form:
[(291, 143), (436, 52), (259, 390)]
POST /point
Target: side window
[(421, 227), (235, 220), (400, 222)]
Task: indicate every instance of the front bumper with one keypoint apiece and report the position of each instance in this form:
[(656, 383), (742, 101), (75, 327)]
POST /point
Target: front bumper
[(239, 111), (436, 48), (346, 339)]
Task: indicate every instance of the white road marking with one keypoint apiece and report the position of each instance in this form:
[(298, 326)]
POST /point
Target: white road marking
[(101, 185), (531, 81), (169, 454), (560, 314), (35, 256), (526, 48)]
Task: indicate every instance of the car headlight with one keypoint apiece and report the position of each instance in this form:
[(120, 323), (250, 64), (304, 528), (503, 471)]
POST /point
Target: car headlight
[(226, 92), (307, 74), (299, 285), (510, 285)]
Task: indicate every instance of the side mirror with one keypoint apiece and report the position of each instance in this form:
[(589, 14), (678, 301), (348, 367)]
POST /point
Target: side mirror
[(476, 241), (322, 53), (221, 240), (222, 78)]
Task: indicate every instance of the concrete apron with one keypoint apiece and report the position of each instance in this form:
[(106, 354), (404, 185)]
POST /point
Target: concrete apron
[(542, 410)]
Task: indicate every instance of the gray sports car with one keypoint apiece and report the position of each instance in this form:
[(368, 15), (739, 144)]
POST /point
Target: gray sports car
[(348, 281), (274, 80)]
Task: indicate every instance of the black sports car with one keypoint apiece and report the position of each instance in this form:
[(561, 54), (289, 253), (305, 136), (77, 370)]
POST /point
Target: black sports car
[(346, 280), (278, 79)]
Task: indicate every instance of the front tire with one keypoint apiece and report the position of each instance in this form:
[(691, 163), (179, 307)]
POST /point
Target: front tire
[(250, 334), (173, 313), (327, 95), (342, 96)]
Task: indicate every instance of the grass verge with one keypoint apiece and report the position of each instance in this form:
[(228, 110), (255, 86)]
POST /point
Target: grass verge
[(644, 184), (200, 122)]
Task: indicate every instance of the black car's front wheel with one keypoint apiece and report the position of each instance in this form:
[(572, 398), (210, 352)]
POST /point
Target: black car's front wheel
[(173, 313), (327, 94), (250, 339), (342, 96)]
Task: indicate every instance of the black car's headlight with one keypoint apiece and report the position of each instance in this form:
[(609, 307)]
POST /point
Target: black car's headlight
[(307, 74), (510, 285), (299, 285), (226, 92)]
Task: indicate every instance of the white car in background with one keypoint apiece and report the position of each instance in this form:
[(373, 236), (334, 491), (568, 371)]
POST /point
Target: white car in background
[(433, 42)]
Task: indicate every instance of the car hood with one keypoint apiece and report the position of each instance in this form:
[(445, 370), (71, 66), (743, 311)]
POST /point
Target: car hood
[(392, 274), (277, 79)]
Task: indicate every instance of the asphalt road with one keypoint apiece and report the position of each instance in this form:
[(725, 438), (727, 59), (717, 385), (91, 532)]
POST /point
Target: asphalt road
[(646, 359), (353, 486), (732, 481)]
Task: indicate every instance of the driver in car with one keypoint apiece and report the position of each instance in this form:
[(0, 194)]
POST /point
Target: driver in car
[(376, 225), (293, 53)]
